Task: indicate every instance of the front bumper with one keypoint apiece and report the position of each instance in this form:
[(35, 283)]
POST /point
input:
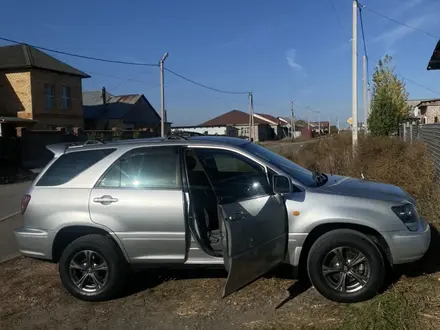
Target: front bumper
[(35, 243), (408, 246)]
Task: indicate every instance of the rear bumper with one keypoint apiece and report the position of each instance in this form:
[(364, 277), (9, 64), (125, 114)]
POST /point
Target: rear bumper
[(35, 243), (407, 246)]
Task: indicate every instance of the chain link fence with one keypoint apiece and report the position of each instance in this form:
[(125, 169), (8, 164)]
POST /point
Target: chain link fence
[(428, 133)]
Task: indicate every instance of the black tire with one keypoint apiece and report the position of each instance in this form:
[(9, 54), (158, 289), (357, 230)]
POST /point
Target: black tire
[(112, 255), (351, 239)]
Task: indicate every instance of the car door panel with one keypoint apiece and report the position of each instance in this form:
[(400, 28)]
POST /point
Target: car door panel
[(256, 239), (140, 198), (149, 223)]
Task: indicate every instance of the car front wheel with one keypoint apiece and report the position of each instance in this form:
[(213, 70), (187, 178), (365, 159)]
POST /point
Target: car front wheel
[(346, 266), (92, 268)]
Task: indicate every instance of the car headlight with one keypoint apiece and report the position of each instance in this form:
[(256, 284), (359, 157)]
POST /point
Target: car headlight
[(408, 214)]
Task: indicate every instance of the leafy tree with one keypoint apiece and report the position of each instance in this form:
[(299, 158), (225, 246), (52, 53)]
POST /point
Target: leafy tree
[(389, 100)]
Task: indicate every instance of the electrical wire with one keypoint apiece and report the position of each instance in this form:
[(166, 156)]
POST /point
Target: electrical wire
[(401, 23), (364, 42), (122, 62), (204, 86), (418, 84), (337, 17), (78, 55)]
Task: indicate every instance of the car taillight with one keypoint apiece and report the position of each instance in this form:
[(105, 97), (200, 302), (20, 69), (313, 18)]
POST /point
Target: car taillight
[(24, 203)]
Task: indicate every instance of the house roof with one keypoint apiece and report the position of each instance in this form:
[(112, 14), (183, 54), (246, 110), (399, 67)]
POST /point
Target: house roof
[(117, 107), (323, 123), (269, 117), (434, 62), (94, 97), (27, 57), (415, 102), (429, 102), (234, 117)]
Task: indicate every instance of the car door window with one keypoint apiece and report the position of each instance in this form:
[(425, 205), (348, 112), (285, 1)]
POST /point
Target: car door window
[(144, 168), (234, 176)]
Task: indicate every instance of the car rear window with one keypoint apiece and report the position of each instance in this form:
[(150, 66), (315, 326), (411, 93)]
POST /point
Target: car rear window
[(68, 166)]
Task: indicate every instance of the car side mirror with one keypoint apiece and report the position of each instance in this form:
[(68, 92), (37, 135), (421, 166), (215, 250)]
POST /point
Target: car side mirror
[(281, 184)]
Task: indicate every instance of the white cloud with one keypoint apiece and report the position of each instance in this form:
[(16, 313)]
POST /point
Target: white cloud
[(292, 62)]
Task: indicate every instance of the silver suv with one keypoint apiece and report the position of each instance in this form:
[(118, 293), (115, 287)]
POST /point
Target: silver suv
[(100, 209)]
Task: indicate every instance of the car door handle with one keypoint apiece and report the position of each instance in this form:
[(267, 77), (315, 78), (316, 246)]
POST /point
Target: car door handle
[(236, 217), (105, 200)]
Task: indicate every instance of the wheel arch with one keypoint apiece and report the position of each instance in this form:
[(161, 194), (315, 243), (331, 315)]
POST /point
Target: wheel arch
[(321, 229), (68, 234)]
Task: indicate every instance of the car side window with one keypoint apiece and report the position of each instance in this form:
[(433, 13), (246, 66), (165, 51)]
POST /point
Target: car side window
[(144, 168), (234, 177), (70, 165)]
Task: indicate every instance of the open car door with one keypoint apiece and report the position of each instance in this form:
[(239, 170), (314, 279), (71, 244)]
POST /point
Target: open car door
[(252, 219), (254, 234)]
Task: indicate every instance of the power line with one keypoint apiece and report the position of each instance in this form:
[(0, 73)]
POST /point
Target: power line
[(403, 24), (364, 42), (204, 86), (78, 55), (337, 16), (418, 84)]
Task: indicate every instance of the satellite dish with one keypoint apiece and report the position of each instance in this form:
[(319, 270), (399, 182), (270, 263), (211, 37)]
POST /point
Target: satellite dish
[(416, 112)]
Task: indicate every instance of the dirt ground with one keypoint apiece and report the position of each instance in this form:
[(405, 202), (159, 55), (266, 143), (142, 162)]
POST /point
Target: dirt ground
[(32, 298)]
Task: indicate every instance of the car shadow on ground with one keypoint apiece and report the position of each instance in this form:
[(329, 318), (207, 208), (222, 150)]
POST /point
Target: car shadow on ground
[(148, 279), (429, 264)]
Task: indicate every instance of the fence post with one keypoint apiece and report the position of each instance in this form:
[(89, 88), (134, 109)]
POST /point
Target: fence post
[(404, 131), (411, 132)]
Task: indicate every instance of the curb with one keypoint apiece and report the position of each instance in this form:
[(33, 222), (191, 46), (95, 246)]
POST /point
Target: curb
[(9, 216)]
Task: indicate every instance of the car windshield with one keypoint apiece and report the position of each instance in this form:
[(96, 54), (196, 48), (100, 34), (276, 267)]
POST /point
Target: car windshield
[(301, 174)]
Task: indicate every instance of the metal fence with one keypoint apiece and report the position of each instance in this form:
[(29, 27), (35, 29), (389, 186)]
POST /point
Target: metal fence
[(428, 133)]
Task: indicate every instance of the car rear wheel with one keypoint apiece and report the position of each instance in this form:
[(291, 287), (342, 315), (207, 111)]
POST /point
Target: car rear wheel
[(346, 266), (92, 268)]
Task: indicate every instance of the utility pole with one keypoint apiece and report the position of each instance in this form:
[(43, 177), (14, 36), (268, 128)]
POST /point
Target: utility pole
[(319, 122), (251, 117), (162, 97), (365, 79), (308, 118), (368, 99), (354, 131), (337, 123), (292, 123), (329, 124)]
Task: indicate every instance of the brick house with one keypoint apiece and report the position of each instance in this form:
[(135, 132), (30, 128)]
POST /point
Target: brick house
[(38, 87)]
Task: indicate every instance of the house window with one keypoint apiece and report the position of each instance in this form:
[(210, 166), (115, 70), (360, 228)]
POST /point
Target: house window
[(65, 98), (49, 96), (435, 119)]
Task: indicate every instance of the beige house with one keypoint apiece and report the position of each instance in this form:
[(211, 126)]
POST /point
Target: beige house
[(38, 87), (428, 111)]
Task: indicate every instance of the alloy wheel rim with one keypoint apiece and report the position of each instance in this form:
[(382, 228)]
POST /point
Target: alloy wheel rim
[(88, 271), (346, 269)]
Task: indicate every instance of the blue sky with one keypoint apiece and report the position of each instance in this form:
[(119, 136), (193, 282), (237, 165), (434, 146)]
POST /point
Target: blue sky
[(281, 50)]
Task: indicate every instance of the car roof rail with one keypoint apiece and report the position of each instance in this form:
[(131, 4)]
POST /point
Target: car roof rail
[(84, 143), (175, 137), (59, 148)]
